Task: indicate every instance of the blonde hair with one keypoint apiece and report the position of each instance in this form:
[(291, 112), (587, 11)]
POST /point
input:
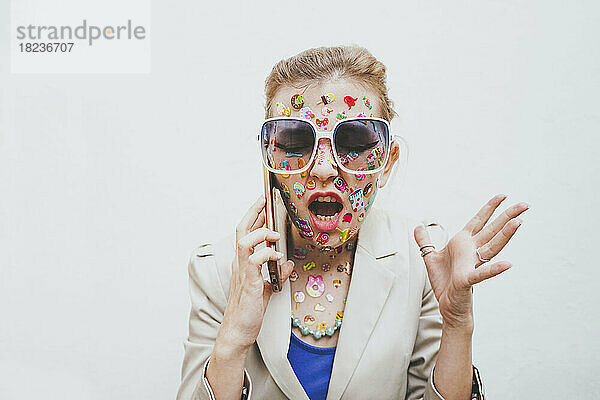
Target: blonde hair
[(324, 63)]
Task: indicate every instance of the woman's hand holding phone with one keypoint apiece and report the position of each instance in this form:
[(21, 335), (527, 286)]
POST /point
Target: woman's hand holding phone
[(249, 293)]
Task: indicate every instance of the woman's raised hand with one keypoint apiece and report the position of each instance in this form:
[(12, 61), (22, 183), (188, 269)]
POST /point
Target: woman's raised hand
[(249, 294), (454, 269)]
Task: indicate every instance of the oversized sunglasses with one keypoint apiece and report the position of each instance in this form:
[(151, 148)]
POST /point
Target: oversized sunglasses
[(360, 145)]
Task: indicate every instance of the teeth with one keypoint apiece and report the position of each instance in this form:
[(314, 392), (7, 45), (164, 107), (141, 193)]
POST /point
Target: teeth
[(326, 217), (326, 199)]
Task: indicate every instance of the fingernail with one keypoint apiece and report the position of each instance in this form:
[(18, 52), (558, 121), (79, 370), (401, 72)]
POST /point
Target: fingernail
[(519, 221), (279, 254), (526, 205)]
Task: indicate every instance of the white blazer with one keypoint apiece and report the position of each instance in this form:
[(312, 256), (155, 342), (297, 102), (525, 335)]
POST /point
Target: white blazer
[(387, 345)]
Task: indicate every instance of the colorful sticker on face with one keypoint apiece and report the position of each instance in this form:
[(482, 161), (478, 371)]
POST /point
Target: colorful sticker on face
[(297, 101), (370, 202), (299, 189), (309, 319), (350, 101), (360, 177), (306, 113), (310, 185), (286, 190), (322, 237), (322, 122), (309, 265), (325, 267), (344, 234), (361, 217), (341, 115), (339, 249), (293, 276), (326, 111), (305, 230), (337, 283), (353, 155), (356, 200), (284, 164), (321, 326), (293, 209), (319, 307), (374, 157), (325, 249), (361, 115), (340, 268), (329, 297), (339, 314), (301, 163), (347, 217), (340, 184), (315, 287), (368, 189), (326, 99), (282, 110), (367, 102), (348, 268), (299, 297), (300, 253)]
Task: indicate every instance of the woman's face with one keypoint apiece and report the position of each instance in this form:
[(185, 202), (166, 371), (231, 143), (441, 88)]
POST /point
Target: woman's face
[(328, 204)]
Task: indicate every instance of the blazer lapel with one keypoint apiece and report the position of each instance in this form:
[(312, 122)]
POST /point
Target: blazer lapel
[(369, 288)]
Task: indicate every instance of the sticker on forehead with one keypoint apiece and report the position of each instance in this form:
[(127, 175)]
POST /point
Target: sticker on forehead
[(322, 122), (367, 102), (350, 101), (361, 115), (283, 110), (297, 101), (327, 99), (326, 111), (306, 113), (341, 115)]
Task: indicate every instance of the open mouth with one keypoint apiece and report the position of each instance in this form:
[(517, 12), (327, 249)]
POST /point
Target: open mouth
[(325, 210)]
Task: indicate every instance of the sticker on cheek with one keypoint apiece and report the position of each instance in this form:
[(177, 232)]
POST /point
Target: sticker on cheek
[(361, 217), (337, 283), (356, 200), (310, 185), (293, 209), (299, 189), (282, 110), (285, 190), (347, 217), (360, 177), (368, 190), (371, 200), (322, 237), (293, 276), (340, 184)]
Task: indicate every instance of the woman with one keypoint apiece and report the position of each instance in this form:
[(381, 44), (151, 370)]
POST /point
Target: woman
[(360, 315)]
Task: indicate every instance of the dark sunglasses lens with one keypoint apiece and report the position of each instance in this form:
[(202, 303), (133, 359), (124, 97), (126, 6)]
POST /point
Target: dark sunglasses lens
[(361, 145), (287, 144)]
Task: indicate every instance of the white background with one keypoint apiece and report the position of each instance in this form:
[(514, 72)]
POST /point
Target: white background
[(107, 182)]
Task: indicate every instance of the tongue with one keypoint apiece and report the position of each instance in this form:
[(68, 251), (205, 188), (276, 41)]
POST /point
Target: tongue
[(326, 209)]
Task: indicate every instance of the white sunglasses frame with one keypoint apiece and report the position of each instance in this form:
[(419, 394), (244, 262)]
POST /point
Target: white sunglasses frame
[(328, 135)]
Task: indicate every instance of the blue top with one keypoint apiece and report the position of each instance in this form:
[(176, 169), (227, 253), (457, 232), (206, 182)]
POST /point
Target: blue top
[(312, 365)]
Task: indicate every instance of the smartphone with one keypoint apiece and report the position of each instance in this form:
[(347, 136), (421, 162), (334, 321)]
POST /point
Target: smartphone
[(270, 196)]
